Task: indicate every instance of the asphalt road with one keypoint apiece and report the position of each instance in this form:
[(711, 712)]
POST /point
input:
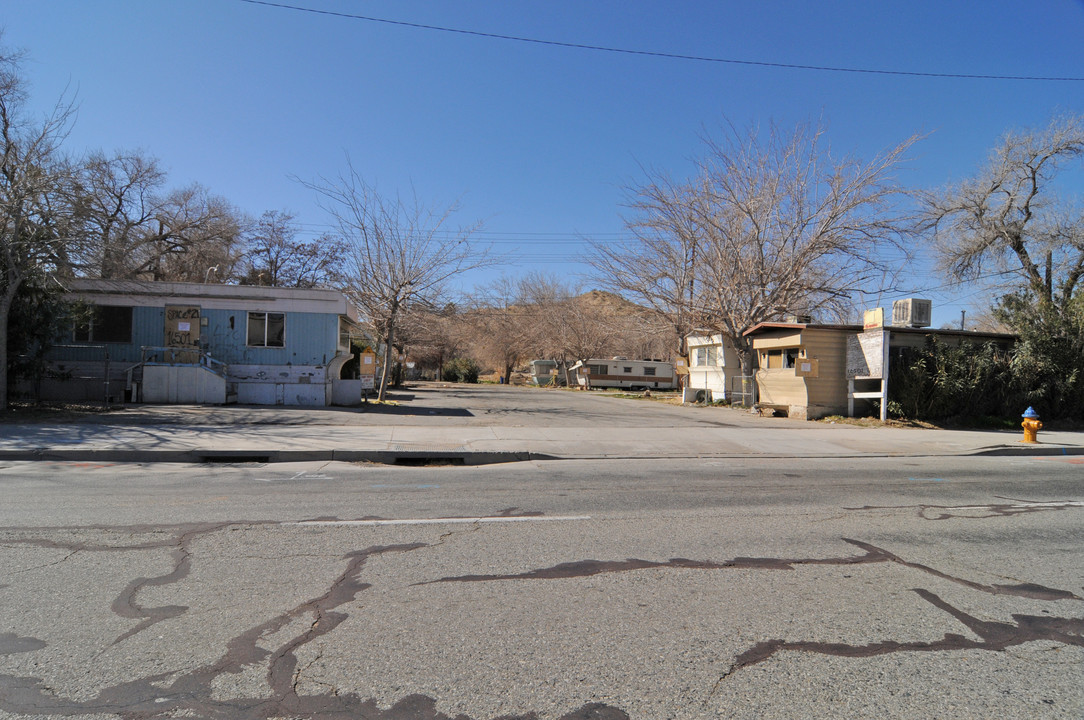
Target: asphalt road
[(775, 588)]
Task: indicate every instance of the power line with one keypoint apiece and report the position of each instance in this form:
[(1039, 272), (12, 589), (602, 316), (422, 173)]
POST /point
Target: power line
[(492, 236), (957, 283), (669, 56)]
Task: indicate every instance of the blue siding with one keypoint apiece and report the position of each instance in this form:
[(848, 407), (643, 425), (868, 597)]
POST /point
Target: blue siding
[(148, 329), (311, 339)]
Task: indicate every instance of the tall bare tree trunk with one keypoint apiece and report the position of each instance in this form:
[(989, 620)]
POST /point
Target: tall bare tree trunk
[(385, 374), (6, 301)]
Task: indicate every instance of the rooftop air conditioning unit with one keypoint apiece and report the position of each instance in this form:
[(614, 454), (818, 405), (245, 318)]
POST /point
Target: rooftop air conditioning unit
[(912, 312)]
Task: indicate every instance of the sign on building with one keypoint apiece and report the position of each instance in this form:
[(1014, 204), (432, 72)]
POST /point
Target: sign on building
[(182, 325), (807, 367), (182, 331), (874, 318), (866, 354), (366, 363), (867, 359)]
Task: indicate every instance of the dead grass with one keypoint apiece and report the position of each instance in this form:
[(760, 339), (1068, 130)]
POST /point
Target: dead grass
[(877, 423)]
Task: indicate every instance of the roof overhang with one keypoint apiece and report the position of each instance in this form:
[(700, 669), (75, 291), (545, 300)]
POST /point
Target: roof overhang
[(212, 296)]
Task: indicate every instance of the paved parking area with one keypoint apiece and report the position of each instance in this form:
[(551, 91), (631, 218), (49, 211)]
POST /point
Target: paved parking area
[(451, 404), (485, 423)]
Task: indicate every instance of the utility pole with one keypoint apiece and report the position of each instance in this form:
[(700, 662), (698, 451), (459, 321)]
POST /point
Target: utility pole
[(962, 314)]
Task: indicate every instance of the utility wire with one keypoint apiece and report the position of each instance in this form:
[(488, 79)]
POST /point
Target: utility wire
[(670, 56)]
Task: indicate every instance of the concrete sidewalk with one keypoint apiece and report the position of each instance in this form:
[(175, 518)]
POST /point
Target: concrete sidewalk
[(172, 434)]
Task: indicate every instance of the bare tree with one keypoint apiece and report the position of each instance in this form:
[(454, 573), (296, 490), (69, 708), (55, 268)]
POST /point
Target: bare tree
[(118, 200), (771, 224), (135, 228), (1007, 226), (588, 327), (398, 253), (656, 266), (544, 317), (790, 228), (435, 336), (543, 299), (35, 196), (193, 232), (275, 256), (504, 324)]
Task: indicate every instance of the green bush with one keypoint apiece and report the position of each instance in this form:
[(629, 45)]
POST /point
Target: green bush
[(463, 370), (942, 382), (1043, 370), (1047, 363)]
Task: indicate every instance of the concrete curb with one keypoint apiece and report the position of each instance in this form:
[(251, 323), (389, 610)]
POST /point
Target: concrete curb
[(467, 457), (383, 457), (1038, 450)]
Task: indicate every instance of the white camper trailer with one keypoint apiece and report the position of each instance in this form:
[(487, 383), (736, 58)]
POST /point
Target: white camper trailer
[(621, 372)]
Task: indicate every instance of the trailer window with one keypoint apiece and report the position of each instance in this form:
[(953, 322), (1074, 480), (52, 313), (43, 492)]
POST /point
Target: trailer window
[(266, 329), (649, 371), (780, 359), (707, 355), (106, 324)]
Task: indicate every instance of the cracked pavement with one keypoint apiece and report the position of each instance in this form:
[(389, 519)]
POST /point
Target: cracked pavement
[(542, 591)]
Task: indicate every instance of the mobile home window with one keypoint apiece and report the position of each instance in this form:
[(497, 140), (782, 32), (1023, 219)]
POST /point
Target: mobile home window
[(266, 329), (706, 356), (344, 334), (107, 324), (649, 371), (778, 359), (597, 369)]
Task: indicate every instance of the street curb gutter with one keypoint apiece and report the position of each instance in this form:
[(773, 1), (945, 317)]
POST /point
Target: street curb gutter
[(466, 458), (384, 457), (1030, 450)]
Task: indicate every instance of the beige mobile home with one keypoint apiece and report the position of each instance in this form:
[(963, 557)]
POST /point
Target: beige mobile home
[(802, 367), (810, 371)]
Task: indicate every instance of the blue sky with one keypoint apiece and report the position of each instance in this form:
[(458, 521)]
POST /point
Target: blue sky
[(535, 141)]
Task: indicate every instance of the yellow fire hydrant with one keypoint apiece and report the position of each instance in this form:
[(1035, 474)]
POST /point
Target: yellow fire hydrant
[(1032, 425)]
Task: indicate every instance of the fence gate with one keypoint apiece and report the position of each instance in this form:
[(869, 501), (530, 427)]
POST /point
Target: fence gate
[(743, 390)]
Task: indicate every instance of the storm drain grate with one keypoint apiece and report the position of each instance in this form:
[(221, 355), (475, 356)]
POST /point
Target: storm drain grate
[(428, 460), (229, 458), (426, 454)]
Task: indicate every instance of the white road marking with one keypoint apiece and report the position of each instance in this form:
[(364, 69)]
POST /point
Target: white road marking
[(443, 521), (310, 476)]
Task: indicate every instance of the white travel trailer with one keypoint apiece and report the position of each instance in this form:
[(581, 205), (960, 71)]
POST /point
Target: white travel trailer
[(621, 372)]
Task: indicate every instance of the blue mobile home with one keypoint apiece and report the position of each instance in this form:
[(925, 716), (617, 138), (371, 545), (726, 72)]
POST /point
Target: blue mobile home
[(203, 343)]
